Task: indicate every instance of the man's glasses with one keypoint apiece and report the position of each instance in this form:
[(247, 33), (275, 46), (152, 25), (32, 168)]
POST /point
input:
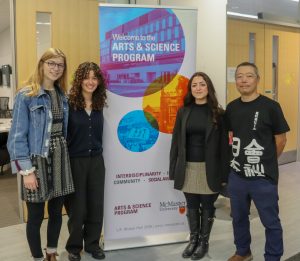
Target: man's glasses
[(52, 65), (248, 76)]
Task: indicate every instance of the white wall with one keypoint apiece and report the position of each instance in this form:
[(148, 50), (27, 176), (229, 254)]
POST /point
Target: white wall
[(211, 40), (5, 47), (6, 58)]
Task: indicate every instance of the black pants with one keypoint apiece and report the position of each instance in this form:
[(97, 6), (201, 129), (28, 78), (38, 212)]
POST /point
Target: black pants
[(35, 219), (85, 206), (3, 139), (203, 201)]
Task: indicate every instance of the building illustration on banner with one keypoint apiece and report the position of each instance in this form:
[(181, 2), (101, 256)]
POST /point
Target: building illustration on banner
[(145, 51), (163, 105), (136, 133), (141, 58)]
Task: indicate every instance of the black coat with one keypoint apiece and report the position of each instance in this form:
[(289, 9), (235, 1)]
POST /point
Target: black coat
[(216, 152)]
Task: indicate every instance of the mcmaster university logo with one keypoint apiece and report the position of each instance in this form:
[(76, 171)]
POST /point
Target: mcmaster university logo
[(179, 206)]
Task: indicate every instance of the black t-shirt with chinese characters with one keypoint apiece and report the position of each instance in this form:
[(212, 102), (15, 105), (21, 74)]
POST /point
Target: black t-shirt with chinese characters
[(253, 125)]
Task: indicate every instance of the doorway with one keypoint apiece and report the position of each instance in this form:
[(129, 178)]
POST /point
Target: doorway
[(276, 50)]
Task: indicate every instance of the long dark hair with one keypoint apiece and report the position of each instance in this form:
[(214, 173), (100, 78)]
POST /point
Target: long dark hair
[(76, 99), (212, 100)]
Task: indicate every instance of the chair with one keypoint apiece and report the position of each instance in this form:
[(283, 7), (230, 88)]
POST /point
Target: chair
[(4, 110), (4, 155)]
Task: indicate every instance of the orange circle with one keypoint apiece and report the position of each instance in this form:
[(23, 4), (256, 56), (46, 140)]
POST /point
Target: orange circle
[(164, 104)]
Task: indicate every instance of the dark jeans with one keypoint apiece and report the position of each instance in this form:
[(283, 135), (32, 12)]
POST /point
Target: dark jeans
[(203, 201), (35, 219), (85, 206), (265, 197)]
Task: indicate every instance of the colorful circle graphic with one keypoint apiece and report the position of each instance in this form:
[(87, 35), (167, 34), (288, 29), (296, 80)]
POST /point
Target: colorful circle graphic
[(138, 131), (163, 105), (146, 47)]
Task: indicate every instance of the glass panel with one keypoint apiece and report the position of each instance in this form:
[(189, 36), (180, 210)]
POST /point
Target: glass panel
[(275, 47), (43, 32), (252, 47)]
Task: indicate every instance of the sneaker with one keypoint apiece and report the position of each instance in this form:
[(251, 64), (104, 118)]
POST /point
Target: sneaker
[(237, 257), (74, 257), (97, 254)]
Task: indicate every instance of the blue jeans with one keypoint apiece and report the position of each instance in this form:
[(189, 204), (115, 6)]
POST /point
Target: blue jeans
[(265, 197)]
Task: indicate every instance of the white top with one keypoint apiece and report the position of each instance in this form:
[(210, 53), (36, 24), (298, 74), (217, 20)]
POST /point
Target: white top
[(5, 124)]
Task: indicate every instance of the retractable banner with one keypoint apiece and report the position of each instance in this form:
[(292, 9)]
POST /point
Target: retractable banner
[(147, 55)]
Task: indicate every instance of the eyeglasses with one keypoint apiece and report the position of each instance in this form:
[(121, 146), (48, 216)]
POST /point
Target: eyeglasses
[(52, 65), (248, 76)]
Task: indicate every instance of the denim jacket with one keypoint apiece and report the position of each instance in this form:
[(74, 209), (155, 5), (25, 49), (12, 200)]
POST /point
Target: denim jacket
[(31, 128)]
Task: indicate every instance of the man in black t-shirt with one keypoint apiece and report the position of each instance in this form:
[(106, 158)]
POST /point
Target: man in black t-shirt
[(258, 135)]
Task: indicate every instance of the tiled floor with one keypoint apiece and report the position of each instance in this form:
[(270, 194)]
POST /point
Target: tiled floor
[(13, 245)]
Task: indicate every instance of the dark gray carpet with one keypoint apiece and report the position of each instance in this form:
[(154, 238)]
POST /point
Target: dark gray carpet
[(294, 258)]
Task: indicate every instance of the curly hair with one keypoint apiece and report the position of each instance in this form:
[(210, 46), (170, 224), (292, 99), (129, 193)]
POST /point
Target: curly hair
[(76, 99), (212, 100)]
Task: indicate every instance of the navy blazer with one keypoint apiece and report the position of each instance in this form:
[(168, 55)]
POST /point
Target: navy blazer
[(216, 151)]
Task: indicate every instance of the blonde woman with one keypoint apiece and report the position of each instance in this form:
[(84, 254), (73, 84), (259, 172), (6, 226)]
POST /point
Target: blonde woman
[(38, 150)]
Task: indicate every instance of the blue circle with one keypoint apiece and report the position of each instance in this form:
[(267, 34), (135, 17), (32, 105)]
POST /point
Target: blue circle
[(135, 132)]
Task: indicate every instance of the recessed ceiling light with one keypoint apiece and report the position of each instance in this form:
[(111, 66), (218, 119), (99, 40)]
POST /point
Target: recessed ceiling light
[(41, 23), (295, 0), (242, 15)]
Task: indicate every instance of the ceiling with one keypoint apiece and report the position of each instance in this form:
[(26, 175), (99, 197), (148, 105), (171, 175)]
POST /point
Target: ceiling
[(281, 9), (278, 9)]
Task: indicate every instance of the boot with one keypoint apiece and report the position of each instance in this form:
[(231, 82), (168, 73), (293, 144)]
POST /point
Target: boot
[(207, 220), (51, 257), (193, 217)]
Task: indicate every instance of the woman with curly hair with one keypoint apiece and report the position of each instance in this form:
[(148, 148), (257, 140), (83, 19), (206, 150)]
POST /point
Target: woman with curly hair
[(198, 159), (85, 207)]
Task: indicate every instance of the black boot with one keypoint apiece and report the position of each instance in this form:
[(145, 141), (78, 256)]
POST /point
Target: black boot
[(193, 217), (207, 220)]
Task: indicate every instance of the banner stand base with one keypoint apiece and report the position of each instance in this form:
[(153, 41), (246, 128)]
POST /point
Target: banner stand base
[(150, 240)]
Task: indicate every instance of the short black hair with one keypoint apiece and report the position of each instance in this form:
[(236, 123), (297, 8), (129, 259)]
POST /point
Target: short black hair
[(248, 64)]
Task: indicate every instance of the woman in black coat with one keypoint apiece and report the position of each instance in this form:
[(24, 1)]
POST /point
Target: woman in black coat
[(199, 159)]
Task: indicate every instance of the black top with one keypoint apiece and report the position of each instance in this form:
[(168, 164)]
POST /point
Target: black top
[(195, 133), (254, 125), (85, 133), (216, 151)]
